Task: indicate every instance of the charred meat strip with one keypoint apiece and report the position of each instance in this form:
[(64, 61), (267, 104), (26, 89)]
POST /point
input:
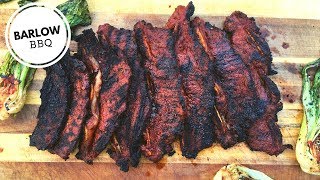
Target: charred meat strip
[(91, 54), (264, 135), (128, 136), (116, 74), (80, 89), (164, 84), (197, 77), (52, 116), (113, 94), (236, 97)]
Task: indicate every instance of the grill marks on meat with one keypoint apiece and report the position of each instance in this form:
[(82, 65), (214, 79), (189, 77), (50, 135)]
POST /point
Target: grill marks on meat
[(127, 139), (236, 104), (196, 71), (80, 89), (53, 110), (91, 54), (264, 135), (164, 84)]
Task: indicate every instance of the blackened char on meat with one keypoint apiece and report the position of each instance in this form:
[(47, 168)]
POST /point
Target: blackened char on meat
[(197, 77), (237, 105), (127, 139), (264, 135), (90, 53), (80, 89), (164, 84), (53, 111)]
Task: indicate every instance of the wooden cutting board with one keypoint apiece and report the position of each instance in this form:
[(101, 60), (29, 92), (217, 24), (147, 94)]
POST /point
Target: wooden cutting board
[(292, 29)]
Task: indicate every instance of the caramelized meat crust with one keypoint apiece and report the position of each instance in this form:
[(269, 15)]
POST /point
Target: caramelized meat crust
[(127, 138), (196, 72), (53, 111), (237, 105), (80, 89), (263, 135), (164, 85)]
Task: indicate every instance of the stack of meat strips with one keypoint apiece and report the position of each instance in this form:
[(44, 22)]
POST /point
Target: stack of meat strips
[(136, 92)]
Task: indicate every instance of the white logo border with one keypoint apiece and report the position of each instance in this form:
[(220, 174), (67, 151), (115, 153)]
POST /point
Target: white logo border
[(51, 62)]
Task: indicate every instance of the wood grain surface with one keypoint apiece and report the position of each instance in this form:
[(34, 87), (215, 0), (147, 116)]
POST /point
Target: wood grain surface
[(104, 171), (292, 29)]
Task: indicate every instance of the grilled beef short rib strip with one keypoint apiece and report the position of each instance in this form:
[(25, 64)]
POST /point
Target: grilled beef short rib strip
[(196, 71), (116, 74), (91, 54), (164, 84), (264, 135), (52, 116), (80, 89), (113, 93), (127, 139), (236, 102)]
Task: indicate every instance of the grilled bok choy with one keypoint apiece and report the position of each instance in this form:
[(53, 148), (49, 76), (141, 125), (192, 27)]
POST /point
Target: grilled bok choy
[(15, 79), (236, 171), (76, 12), (308, 144)]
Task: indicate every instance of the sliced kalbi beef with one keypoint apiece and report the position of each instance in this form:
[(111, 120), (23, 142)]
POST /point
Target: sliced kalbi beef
[(116, 74), (53, 111), (112, 102), (113, 94), (264, 135), (236, 96), (196, 71), (164, 84), (127, 139), (80, 89), (91, 53)]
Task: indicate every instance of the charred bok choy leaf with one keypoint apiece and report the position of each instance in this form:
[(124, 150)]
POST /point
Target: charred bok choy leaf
[(24, 2), (15, 79), (236, 171), (308, 144), (76, 12)]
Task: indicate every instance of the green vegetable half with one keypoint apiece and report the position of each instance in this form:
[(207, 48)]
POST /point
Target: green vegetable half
[(15, 79), (308, 144)]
